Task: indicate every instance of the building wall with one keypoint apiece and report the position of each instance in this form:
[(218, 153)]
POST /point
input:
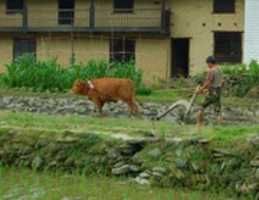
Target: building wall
[(195, 20), (146, 14), (153, 57), (13, 20), (45, 14), (6, 50), (251, 49), (62, 47), (149, 56)]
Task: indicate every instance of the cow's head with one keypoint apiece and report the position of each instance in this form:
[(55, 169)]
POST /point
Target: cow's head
[(80, 87)]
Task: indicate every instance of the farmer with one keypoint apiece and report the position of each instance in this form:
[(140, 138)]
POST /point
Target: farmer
[(212, 87)]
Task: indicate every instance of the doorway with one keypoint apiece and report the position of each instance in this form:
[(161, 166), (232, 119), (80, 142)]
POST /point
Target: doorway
[(23, 46), (180, 57)]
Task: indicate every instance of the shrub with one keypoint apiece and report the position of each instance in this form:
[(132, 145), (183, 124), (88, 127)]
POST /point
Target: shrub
[(239, 79), (42, 75)]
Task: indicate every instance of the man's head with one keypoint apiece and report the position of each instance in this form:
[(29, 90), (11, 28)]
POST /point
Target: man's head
[(211, 61)]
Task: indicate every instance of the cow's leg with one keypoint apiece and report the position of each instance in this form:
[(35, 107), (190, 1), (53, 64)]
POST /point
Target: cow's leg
[(99, 105), (133, 108)]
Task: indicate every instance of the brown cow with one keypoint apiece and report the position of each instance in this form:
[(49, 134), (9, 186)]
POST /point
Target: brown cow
[(104, 90)]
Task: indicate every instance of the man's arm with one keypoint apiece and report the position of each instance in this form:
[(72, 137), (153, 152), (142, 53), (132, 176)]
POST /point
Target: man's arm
[(207, 82)]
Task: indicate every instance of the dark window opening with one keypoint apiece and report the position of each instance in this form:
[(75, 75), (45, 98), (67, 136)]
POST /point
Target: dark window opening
[(23, 46), (224, 6), (66, 12), (122, 50), (228, 47), (14, 6), (125, 6)]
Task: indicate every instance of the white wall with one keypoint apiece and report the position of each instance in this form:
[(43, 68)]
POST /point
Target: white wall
[(251, 48)]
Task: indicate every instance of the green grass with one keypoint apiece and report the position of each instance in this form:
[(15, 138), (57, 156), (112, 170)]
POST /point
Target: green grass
[(25, 184), (124, 126)]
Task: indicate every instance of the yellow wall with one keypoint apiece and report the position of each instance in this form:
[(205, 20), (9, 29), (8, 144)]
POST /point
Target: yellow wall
[(153, 57), (146, 14), (13, 20), (45, 14), (61, 46), (6, 50), (42, 13), (187, 21)]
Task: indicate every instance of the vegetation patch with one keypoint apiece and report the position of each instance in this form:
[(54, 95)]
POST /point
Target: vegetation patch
[(240, 80), (49, 75)]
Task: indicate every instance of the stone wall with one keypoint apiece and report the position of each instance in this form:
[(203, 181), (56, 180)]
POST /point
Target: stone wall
[(81, 106), (193, 163)]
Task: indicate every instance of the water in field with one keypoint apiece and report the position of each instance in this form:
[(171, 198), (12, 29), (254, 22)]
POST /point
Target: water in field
[(27, 185)]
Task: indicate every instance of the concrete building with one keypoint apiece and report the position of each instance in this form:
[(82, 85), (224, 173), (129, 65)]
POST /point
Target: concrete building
[(251, 49), (166, 38)]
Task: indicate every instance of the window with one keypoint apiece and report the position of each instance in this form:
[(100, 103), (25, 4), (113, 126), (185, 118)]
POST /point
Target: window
[(122, 50), (228, 47), (125, 6), (224, 6), (24, 46), (14, 6), (66, 12)]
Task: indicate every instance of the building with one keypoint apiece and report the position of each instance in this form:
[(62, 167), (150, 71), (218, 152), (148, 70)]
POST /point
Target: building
[(251, 41), (166, 38)]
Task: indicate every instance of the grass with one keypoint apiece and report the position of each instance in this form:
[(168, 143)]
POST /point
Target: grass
[(24, 184), (124, 126)]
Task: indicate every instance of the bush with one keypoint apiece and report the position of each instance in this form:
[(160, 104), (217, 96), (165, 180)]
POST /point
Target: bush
[(49, 75), (239, 79)]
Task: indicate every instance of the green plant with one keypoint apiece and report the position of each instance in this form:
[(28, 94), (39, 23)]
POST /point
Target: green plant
[(49, 75), (239, 79)]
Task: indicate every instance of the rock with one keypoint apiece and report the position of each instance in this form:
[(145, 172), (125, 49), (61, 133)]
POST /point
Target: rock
[(157, 174), (247, 189), (37, 163), (155, 153), (181, 164), (254, 163), (195, 167), (119, 164), (113, 154), (120, 170), (161, 170), (257, 174), (204, 141), (254, 92), (144, 175), (254, 141), (142, 181), (125, 169), (222, 153), (134, 168)]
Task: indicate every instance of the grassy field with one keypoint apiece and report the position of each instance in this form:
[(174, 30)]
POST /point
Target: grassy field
[(27, 185), (124, 126)]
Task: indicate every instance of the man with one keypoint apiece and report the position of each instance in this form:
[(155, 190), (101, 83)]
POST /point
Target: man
[(213, 85)]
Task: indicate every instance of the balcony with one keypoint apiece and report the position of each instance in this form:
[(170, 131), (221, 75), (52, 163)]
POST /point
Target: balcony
[(150, 20)]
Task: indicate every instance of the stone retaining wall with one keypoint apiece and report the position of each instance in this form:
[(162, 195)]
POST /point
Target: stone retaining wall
[(74, 105), (189, 163)]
